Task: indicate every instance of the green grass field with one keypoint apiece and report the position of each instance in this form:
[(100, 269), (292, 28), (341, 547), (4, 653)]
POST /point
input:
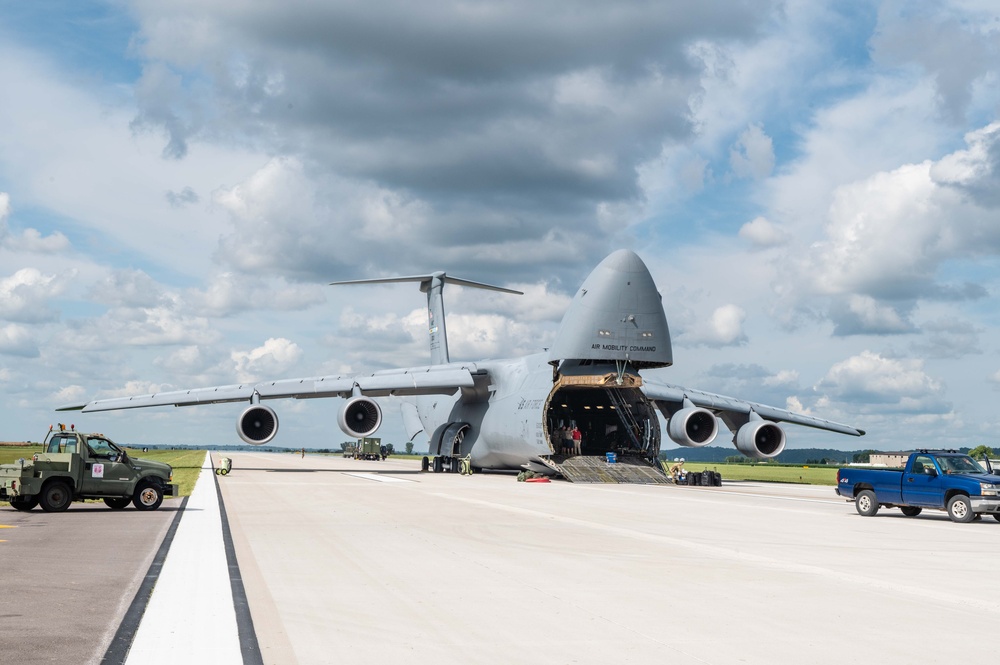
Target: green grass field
[(186, 463), (807, 475)]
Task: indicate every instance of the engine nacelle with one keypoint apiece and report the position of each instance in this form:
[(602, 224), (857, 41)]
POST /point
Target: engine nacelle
[(760, 439), (693, 427), (360, 417), (257, 425)]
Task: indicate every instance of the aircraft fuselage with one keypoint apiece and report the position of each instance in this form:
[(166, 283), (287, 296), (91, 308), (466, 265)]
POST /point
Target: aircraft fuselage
[(517, 414)]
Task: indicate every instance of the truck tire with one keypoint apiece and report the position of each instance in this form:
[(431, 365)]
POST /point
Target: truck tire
[(117, 502), (29, 502), (866, 503), (910, 511), (996, 516), (148, 496), (55, 497), (960, 509)]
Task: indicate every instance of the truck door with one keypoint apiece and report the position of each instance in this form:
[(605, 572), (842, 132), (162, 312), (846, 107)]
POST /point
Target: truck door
[(922, 483), (103, 474)]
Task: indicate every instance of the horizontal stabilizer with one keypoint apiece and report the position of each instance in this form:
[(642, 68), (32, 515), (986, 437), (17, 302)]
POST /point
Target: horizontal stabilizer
[(425, 281)]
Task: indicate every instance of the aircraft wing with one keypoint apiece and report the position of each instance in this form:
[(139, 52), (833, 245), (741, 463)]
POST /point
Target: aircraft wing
[(429, 380), (733, 411)]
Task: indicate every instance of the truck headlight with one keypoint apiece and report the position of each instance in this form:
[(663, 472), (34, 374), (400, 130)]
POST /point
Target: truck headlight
[(989, 489)]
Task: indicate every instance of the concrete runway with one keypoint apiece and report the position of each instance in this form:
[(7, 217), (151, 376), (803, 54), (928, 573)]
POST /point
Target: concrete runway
[(373, 562), (365, 562)]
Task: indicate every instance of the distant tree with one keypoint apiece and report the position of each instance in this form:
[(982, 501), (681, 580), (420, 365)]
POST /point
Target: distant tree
[(813, 462), (389, 449), (863, 457), (979, 452), (409, 447), (737, 459)]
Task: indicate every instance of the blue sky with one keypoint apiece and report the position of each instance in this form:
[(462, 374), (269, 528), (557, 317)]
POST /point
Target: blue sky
[(812, 187)]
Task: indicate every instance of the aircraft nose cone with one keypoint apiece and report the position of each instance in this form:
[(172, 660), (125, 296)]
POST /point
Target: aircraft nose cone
[(616, 315)]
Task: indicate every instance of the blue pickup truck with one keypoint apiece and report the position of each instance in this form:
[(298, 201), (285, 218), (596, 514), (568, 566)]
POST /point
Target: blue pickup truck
[(939, 479)]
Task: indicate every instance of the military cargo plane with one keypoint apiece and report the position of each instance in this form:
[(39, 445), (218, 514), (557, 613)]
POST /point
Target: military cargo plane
[(514, 413)]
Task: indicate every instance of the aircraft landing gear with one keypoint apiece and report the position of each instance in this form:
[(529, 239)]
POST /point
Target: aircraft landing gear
[(438, 464)]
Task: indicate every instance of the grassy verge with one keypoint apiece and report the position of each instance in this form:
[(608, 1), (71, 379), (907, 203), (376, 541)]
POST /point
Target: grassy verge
[(819, 475), (186, 463)]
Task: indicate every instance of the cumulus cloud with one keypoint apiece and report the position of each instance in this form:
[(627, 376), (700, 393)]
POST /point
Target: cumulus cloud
[(228, 294), (753, 154), (863, 315), (889, 236), (25, 296), (723, 328), (271, 359), (127, 288), (948, 338), (503, 126), (975, 171), (28, 240), (762, 233), (956, 47), (17, 340), (161, 325), (877, 383)]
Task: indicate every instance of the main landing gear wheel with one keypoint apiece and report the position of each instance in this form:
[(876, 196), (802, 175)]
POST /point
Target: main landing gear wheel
[(55, 497), (425, 463), (960, 509), (148, 496), (438, 464), (866, 503), (910, 511), (117, 502)]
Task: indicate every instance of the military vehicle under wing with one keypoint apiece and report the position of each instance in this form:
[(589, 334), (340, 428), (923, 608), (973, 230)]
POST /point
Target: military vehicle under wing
[(74, 466)]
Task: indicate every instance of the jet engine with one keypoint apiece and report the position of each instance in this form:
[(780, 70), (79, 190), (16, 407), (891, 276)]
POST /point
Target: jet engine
[(257, 425), (360, 417), (759, 438), (693, 427)]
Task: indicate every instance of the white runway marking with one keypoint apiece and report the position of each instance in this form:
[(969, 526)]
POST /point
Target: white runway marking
[(378, 478), (190, 616)]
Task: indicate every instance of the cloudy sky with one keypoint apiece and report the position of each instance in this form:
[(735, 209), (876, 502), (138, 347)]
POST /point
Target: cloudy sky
[(815, 187)]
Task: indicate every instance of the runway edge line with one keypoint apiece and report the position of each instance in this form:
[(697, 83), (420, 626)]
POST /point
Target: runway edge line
[(249, 648), (122, 641)]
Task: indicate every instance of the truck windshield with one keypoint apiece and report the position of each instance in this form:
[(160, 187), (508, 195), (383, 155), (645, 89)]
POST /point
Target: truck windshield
[(960, 465)]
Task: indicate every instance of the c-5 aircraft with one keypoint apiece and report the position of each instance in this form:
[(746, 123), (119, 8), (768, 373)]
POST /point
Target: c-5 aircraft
[(511, 414)]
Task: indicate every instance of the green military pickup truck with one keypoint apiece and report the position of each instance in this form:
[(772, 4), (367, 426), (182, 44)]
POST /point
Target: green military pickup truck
[(74, 466)]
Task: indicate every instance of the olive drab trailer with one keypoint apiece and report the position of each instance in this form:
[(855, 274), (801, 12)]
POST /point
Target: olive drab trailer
[(369, 448), (73, 466)]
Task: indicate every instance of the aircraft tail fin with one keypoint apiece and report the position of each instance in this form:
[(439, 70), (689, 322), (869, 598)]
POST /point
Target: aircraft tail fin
[(433, 286)]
